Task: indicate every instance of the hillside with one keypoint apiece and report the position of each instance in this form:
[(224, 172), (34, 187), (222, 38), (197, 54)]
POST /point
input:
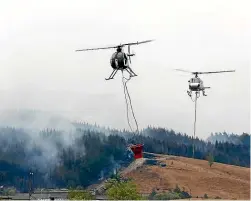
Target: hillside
[(225, 181), (64, 154)]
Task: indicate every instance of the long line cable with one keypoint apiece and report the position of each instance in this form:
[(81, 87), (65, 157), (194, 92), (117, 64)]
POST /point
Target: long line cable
[(127, 111), (132, 109), (128, 94), (197, 95), (195, 116)]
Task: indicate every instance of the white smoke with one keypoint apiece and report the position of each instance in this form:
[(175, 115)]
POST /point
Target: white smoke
[(32, 124), (34, 120)]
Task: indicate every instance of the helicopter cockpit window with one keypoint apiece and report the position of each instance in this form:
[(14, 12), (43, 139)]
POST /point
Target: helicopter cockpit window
[(195, 80)]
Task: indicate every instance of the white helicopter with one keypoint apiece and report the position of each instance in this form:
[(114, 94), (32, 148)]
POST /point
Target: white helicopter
[(196, 84)]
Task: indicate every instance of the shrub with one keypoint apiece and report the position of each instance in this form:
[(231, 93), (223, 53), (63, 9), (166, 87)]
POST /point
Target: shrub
[(183, 194), (8, 191), (152, 195), (80, 195), (210, 159), (205, 196), (168, 196), (123, 191), (171, 195), (177, 189)]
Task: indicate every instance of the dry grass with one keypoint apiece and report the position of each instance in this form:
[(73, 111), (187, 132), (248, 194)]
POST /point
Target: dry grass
[(195, 176)]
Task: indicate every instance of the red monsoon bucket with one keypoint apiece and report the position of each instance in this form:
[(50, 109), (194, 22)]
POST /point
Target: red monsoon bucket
[(137, 150)]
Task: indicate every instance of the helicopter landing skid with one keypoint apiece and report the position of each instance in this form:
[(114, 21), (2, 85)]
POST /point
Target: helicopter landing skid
[(108, 78), (112, 74), (204, 93), (189, 93), (128, 69)]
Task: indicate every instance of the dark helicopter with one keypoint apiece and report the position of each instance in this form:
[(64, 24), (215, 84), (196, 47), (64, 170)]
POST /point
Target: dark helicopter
[(196, 84), (120, 60)]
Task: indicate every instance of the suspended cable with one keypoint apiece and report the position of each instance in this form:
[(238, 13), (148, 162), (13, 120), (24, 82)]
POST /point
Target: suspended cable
[(128, 94), (132, 108), (195, 113), (127, 111)]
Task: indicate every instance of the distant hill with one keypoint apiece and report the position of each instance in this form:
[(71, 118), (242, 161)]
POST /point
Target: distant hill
[(243, 139)]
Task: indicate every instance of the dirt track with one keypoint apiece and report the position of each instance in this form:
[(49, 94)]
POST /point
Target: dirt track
[(195, 176)]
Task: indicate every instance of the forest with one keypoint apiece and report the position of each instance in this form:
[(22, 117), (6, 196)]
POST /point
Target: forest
[(63, 159)]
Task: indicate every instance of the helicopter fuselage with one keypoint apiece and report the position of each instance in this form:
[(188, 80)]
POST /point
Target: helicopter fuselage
[(196, 84), (119, 60)]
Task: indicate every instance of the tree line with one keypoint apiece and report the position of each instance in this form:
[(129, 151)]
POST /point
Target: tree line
[(94, 154)]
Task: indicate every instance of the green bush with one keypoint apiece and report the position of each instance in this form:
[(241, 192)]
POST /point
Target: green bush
[(205, 196), (177, 193), (152, 195), (177, 189), (8, 191), (116, 177), (110, 183), (210, 159), (168, 196), (182, 194), (123, 191), (80, 195)]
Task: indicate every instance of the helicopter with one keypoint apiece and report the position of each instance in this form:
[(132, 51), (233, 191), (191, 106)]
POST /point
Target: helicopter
[(120, 60), (196, 84)]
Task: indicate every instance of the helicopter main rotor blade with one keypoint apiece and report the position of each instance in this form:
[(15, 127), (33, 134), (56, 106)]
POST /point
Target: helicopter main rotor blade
[(137, 43), (226, 71), (186, 71), (100, 48), (121, 45)]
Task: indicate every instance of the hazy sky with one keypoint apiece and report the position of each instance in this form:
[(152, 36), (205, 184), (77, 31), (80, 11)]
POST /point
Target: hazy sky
[(39, 68)]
